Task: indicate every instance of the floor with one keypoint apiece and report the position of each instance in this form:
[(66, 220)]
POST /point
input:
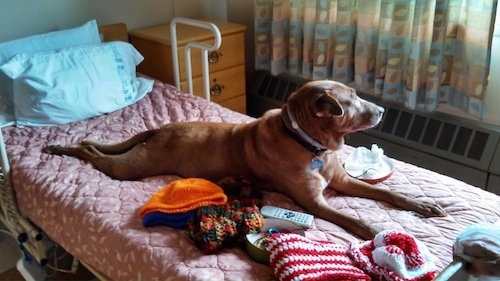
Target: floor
[(10, 254)]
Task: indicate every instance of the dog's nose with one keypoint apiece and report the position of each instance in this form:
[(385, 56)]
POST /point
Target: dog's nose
[(381, 110)]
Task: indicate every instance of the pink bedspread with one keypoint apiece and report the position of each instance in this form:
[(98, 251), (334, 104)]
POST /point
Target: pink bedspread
[(96, 219)]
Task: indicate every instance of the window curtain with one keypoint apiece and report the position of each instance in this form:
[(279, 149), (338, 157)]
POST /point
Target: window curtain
[(420, 53)]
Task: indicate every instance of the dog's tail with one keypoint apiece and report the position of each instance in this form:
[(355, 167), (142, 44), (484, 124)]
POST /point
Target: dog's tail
[(122, 147)]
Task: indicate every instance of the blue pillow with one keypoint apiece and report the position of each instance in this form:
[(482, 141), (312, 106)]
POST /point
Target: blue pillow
[(85, 34), (75, 83)]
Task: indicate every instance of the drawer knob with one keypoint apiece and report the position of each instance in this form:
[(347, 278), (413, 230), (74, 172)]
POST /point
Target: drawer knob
[(213, 57), (216, 89)]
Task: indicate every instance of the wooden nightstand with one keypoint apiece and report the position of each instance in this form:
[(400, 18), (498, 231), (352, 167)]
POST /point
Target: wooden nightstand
[(227, 64)]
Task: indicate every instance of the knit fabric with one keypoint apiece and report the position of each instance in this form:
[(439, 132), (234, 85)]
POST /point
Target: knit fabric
[(295, 257), (394, 255), (216, 227), (184, 195), (173, 220), (241, 189)]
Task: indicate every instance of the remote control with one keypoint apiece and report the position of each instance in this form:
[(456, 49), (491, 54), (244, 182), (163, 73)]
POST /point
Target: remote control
[(301, 219)]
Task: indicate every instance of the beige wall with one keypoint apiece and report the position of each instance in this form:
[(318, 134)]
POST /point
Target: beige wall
[(241, 11), (20, 18)]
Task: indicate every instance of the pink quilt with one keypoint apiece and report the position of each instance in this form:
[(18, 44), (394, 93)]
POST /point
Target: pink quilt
[(95, 218)]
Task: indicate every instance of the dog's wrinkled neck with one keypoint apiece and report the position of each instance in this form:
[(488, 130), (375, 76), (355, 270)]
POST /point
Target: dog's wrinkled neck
[(301, 136)]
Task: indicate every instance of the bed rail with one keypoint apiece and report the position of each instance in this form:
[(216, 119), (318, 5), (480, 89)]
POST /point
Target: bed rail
[(187, 53), (31, 240), (451, 270)]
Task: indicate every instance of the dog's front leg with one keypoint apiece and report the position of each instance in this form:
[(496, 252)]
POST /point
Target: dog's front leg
[(320, 208), (354, 187), (311, 199)]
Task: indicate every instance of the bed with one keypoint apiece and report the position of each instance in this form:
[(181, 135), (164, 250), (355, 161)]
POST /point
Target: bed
[(95, 218)]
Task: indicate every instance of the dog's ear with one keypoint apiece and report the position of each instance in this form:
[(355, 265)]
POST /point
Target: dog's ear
[(326, 104)]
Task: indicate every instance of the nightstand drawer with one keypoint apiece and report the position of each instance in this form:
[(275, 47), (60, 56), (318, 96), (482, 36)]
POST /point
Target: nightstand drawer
[(226, 71), (231, 53), (237, 104), (224, 85)]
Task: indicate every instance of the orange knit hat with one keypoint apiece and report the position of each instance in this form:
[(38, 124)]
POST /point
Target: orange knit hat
[(184, 195)]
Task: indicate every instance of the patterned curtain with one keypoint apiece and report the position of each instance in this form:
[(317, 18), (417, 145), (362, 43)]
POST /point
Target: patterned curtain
[(417, 52)]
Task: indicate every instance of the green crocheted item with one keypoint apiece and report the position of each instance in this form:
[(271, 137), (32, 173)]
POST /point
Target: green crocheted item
[(216, 227)]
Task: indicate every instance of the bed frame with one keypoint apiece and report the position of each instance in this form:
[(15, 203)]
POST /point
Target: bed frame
[(33, 241)]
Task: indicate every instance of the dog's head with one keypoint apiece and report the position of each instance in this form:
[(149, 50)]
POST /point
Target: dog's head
[(328, 110)]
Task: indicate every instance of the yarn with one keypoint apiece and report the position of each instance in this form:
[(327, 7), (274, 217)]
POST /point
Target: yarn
[(394, 256), (173, 220), (216, 227), (184, 195), (295, 257), (240, 188)]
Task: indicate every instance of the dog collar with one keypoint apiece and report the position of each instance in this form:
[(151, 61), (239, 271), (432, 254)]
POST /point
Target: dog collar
[(303, 138)]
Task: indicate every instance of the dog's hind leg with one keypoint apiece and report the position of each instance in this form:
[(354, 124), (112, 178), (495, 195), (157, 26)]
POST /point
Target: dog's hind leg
[(125, 166), (122, 147)]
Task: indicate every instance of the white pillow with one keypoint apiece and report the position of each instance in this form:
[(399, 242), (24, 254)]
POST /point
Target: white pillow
[(75, 83), (85, 34)]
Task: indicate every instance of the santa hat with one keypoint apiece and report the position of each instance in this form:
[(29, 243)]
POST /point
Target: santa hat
[(184, 195), (295, 257), (394, 255)]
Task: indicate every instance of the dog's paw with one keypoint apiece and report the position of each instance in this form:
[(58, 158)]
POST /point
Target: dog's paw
[(429, 209)]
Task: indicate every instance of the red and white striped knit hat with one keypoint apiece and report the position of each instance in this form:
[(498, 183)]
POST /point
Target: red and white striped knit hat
[(394, 256), (295, 257)]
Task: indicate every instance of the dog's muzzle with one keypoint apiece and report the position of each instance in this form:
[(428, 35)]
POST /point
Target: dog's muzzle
[(381, 112)]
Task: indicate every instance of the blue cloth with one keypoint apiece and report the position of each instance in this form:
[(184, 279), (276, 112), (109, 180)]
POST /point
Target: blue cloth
[(178, 220)]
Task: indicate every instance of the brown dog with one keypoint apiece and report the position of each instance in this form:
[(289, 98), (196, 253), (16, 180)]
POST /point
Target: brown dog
[(289, 150)]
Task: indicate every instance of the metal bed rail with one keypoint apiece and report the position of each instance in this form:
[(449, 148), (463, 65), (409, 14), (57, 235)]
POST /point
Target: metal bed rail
[(32, 241), (205, 48)]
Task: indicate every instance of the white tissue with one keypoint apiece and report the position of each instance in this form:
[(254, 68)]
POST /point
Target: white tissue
[(367, 161), (364, 156)]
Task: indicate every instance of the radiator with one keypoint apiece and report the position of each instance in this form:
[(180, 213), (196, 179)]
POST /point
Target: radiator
[(462, 148)]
